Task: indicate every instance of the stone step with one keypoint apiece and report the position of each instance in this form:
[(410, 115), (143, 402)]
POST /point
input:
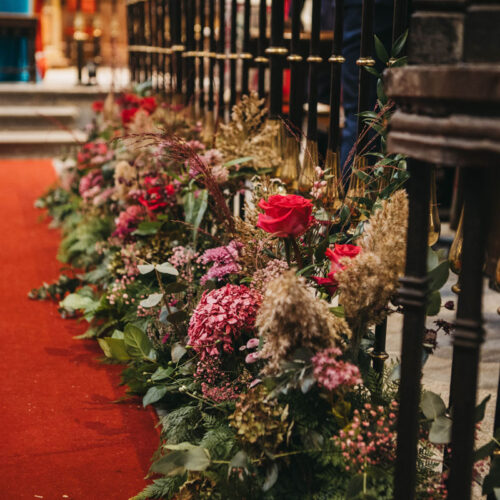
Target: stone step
[(43, 117), (39, 143), (29, 93)]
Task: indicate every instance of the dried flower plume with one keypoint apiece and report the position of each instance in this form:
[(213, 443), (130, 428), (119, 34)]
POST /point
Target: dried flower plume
[(291, 317), (249, 134), (371, 279)]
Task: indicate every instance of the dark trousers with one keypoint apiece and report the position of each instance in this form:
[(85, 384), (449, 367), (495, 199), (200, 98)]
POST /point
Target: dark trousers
[(350, 71)]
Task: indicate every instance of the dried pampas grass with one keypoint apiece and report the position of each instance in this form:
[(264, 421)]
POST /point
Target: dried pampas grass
[(291, 317)]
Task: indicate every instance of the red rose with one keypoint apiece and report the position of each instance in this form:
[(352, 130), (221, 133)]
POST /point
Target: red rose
[(170, 189), (98, 106), (285, 216), (148, 104), (128, 115), (339, 252), (154, 198)]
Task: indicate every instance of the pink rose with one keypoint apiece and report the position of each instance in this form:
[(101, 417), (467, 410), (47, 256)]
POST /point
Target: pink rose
[(285, 216)]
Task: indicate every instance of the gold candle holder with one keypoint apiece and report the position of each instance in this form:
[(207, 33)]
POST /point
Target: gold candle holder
[(455, 255), (289, 171), (357, 187), (434, 221), (208, 128), (334, 194), (310, 162)]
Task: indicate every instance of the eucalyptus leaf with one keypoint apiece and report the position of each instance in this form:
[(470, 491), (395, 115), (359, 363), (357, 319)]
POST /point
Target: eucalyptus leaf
[(438, 275), (145, 268), (177, 352), (183, 456), (271, 477), (153, 395), (432, 405), (433, 303), (440, 431), (167, 268), (239, 461), (152, 300), (77, 302)]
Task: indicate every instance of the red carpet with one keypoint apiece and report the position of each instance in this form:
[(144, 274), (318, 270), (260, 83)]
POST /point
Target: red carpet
[(60, 434)]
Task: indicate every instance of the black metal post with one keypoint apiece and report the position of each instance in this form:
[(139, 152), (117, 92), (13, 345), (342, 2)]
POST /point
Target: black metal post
[(276, 54), (177, 46), (190, 51), (261, 60), (246, 56), (469, 334), (221, 56), (233, 56), (365, 59), (296, 69), (413, 297), (201, 55), (314, 59), (212, 53), (400, 19), (336, 61), (142, 41)]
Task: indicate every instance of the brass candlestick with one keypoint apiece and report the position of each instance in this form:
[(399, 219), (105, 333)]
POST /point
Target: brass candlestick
[(334, 195), (434, 221), (307, 173), (455, 255)]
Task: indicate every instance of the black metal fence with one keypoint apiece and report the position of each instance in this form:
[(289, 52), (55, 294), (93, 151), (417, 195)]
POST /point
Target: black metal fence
[(193, 53)]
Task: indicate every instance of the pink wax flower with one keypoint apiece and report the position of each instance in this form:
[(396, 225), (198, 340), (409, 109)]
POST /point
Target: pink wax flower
[(333, 373), (224, 259)]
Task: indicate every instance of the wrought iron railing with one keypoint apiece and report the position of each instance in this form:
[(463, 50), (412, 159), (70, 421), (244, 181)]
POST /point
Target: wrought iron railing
[(177, 44)]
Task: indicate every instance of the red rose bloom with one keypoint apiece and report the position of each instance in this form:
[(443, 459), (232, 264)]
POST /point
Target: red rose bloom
[(128, 114), (98, 106), (285, 216), (148, 104), (154, 198), (339, 252)]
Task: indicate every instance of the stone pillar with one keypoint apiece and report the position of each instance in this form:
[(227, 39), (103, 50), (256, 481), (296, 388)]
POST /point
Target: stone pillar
[(52, 34)]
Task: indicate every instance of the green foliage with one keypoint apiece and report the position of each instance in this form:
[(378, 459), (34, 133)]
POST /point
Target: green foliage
[(181, 424), (195, 207), (164, 488)]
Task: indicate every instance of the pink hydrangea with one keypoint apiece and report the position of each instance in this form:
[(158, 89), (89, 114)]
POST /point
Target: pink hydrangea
[(331, 372), (220, 317), (128, 220), (224, 259)]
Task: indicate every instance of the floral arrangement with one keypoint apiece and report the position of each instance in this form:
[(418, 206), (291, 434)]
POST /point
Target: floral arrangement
[(250, 328)]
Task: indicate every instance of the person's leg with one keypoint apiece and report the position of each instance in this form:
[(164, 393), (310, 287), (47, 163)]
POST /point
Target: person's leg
[(350, 71)]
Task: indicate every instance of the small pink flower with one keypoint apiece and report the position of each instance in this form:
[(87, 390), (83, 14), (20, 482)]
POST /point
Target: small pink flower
[(252, 357), (253, 343)]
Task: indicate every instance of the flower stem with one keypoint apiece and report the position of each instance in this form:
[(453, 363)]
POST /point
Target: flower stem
[(296, 249)]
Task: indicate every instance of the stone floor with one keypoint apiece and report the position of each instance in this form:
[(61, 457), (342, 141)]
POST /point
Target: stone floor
[(68, 77)]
